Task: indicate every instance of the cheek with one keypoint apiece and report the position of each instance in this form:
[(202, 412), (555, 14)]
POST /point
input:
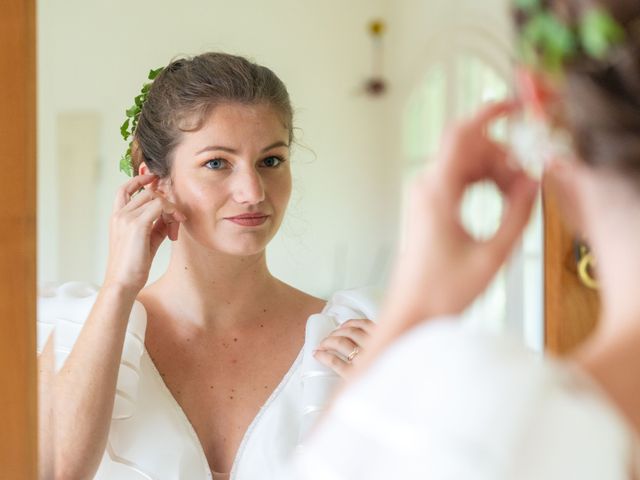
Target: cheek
[(192, 197), (282, 190)]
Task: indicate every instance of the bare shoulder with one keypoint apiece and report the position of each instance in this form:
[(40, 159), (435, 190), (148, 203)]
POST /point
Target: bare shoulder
[(300, 301)]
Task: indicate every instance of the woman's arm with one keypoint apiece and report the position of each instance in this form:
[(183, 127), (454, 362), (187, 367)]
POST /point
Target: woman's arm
[(84, 389)]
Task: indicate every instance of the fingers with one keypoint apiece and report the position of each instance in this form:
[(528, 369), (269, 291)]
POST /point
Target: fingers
[(471, 133), (332, 361), (340, 349), (149, 199), (363, 323), (338, 344), (357, 335), (158, 233), (501, 169), (469, 154), (128, 189), (492, 112), (159, 207), (138, 200), (126, 201)]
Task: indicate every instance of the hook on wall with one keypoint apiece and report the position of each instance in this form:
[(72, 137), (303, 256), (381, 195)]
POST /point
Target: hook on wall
[(375, 85)]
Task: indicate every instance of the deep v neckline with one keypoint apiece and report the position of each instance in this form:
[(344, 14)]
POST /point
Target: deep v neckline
[(247, 434)]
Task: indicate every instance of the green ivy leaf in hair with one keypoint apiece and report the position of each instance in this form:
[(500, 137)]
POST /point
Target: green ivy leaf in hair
[(126, 165), (128, 128), (154, 73), (133, 111), (124, 129), (549, 40), (599, 32)]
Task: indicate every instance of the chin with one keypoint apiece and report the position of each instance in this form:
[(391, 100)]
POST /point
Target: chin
[(241, 245), (235, 243), (243, 250)]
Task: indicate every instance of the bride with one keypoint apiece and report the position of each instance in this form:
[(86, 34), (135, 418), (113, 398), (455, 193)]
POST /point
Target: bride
[(201, 374)]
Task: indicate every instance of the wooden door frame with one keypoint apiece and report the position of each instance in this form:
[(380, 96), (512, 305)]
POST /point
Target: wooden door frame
[(18, 413)]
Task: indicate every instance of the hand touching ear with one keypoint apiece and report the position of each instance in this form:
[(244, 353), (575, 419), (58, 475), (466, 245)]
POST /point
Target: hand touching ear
[(140, 221)]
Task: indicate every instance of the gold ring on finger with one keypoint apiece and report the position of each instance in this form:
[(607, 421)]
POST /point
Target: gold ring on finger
[(353, 354)]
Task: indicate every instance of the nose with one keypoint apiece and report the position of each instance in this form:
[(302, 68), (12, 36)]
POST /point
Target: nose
[(247, 186)]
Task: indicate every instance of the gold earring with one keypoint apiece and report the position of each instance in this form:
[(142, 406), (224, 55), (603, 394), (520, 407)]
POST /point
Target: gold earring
[(586, 265)]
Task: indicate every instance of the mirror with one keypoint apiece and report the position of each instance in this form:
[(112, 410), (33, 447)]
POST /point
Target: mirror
[(353, 156)]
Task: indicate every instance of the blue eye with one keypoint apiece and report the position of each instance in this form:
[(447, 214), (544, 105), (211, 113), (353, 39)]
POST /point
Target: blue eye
[(216, 164), (272, 162)]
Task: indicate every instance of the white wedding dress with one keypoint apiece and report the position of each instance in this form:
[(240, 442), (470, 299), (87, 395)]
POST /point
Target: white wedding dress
[(150, 436)]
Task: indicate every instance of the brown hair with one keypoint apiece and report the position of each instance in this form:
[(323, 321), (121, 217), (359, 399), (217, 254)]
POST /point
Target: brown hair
[(602, 97), (186, 91)]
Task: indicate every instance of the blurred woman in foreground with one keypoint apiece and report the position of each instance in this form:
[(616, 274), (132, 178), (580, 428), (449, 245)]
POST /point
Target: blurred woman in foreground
[(432, 400)]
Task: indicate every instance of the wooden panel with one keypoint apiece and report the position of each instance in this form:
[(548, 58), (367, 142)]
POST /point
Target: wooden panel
[(18, 417), (571, 309)]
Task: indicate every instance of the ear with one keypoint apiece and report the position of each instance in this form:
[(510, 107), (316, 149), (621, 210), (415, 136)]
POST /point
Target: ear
[(159, 185), (143, 169), (536, 92)]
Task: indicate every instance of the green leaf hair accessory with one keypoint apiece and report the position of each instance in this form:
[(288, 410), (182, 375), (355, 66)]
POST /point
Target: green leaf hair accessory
[(599, 32), (548, 42), (128, 128)]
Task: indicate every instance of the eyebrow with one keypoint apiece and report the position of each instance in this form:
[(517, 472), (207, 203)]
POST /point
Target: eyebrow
[(231, 150)]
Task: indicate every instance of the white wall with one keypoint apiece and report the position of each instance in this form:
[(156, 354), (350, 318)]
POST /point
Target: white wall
[(94, 57)]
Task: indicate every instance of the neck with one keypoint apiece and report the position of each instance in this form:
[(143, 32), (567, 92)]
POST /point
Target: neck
[(614, 241), (211, 290), (611, 361), (613, 351)]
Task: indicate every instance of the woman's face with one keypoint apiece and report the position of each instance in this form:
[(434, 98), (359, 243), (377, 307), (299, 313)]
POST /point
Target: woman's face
[(231, 178)]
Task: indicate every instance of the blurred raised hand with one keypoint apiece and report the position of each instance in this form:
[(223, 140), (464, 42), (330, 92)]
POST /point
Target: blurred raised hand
[(441, 268)]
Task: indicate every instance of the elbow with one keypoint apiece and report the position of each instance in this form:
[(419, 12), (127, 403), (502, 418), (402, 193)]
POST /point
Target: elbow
[(75, 468), (72, 474)]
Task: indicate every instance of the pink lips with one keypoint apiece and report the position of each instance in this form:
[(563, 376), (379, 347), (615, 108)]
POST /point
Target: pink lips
[(249, 219)]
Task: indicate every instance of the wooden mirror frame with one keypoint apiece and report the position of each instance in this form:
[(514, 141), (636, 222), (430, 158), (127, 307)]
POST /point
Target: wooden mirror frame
[(18, 412)]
